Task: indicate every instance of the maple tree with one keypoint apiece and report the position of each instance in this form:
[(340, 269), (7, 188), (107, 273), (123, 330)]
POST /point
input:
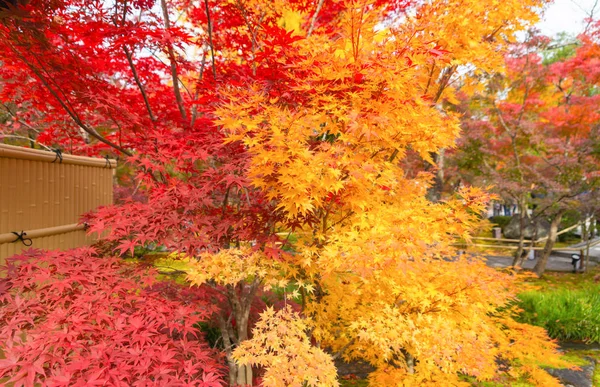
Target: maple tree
[(533, 132), (71, 318), (465, 49), (268, 139)]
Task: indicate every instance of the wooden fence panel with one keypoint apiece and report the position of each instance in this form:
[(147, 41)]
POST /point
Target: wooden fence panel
[(44, 197)]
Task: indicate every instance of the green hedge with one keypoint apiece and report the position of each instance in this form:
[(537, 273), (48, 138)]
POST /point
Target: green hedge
[(567, 315)]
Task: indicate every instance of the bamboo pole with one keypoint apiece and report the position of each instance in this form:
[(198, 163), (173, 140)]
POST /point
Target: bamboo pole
[(17, 152), (42, 232)]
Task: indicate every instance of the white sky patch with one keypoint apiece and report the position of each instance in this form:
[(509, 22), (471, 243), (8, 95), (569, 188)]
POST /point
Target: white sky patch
[(567, 16)]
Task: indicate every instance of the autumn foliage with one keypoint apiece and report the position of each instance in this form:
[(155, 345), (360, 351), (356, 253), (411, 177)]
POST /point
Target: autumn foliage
[(265, 146), (532, 131), (71, 319)]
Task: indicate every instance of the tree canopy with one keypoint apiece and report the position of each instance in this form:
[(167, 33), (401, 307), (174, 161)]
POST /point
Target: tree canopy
[(266, 144)]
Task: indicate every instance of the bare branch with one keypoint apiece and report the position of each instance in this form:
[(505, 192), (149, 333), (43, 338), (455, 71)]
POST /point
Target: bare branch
[(590, 15)]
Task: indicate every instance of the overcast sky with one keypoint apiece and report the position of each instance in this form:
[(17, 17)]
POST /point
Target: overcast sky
[(566, 16)]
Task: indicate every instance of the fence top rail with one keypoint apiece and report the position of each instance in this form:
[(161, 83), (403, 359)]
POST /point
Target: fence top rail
[(527, 240), (17, 152), (503, 239), (39, 233)]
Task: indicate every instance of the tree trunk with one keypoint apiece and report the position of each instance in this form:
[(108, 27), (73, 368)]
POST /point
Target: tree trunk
[(532, 245), (540, 266), (434, 193), (244, 373), (410, 363), (517, 260), (229, 342), (240, 298), (592, 236), (588, 231), (239, 375)]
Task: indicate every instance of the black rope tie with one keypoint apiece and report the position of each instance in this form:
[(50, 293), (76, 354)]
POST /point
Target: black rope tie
[(58, 155), (21, 237), (107, 162)]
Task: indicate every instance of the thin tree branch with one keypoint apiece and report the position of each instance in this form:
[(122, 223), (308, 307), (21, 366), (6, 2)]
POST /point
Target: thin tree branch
[(129, 56), (512, 139), (490, 37), (590, 15), (430, 77), (252, 30), (314, 18), (349, 214), (200, 76), (172, 59), (25, 138), (187, 91), (20, 121), (339, 353), (210, 39), (92, 132), (139, 83), (446, 75)]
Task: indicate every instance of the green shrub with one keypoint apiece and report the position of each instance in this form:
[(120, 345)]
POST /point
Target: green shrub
[(567, 314), (500, 221)]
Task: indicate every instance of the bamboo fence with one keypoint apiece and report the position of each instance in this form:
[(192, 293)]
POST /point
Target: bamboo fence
[(43, 194)]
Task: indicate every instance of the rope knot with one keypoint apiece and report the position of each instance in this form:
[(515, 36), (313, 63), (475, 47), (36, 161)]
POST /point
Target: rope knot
[(21, 237), (59, 155)]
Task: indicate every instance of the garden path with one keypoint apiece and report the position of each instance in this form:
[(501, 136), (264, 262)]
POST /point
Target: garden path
[(555, 262)]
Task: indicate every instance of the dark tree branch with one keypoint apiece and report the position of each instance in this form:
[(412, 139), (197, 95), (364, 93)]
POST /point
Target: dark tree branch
[(446, 75), (430, 77), (210, 39), (313, 21), (68, 107), (173, 61), (138, 82), (129, 56), (20, 121), (200, 76)]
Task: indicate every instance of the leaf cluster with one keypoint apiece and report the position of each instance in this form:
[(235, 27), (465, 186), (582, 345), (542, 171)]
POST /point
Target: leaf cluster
[(72, 318)]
